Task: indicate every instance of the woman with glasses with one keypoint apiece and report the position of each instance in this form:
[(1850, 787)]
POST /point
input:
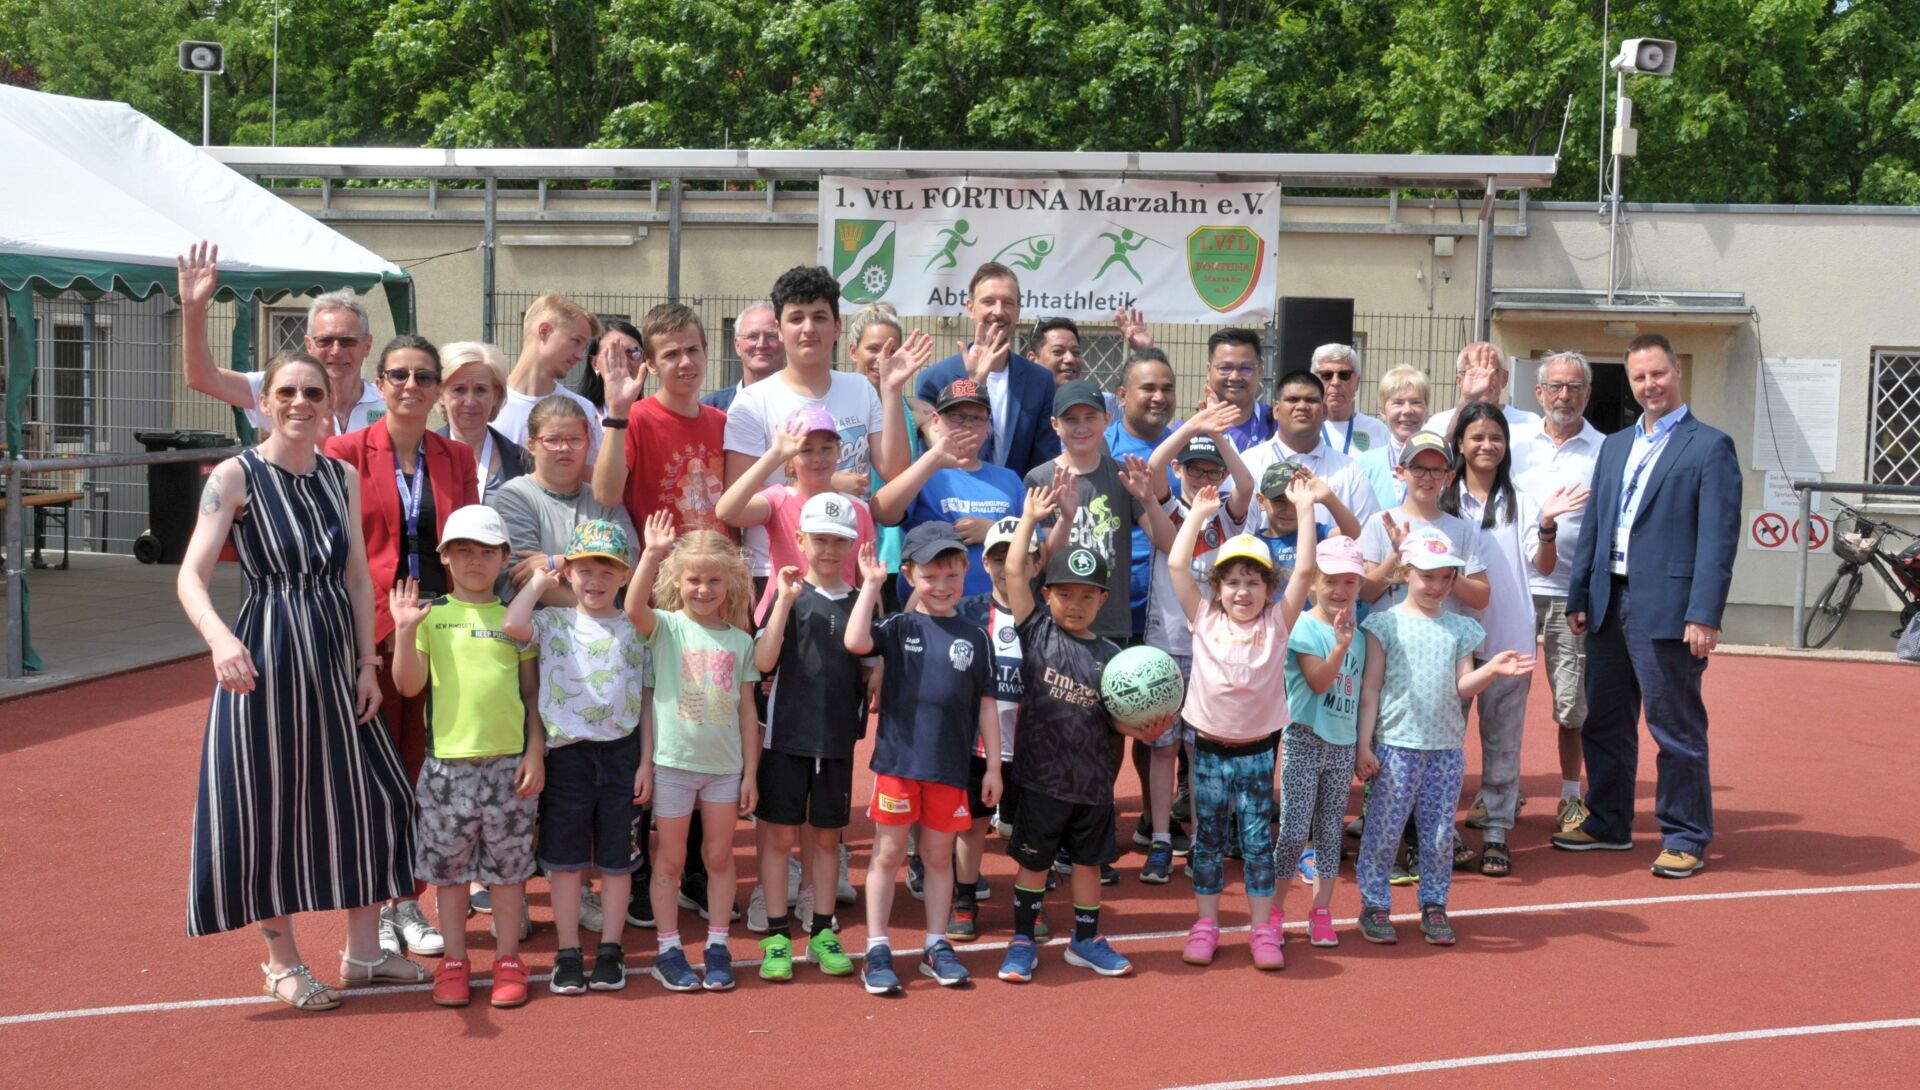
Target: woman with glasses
[(410, 481), (542, 508), (473, 386)]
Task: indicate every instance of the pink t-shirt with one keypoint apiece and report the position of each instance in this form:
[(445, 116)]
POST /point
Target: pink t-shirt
[(784, 522), (1238, 692)]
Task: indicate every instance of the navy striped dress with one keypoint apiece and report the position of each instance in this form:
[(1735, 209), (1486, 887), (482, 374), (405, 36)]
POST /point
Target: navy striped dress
[(299, 809)]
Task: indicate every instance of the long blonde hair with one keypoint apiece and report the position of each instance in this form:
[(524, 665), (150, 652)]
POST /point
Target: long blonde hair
[(705, 545)]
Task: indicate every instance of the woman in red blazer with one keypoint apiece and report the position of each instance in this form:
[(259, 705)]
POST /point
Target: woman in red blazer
[(402, 516)]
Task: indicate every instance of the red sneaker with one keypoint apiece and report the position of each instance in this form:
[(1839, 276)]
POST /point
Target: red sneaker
[(509, 982), (453, 983)]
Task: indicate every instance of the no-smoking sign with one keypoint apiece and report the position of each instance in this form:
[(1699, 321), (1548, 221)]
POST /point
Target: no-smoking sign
[(1779, 531)]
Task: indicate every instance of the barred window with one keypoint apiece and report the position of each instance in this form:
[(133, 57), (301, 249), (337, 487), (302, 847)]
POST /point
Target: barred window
[(286, 332), (1895, 417)]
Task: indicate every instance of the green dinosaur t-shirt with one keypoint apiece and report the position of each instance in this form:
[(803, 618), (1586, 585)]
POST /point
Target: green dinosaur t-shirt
[(591, 675)]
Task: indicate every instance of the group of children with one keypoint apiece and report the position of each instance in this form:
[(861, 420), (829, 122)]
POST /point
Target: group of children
[(579, 719)]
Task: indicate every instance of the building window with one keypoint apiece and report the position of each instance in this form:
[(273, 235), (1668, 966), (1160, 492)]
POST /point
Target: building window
[(286, 332), (1894, 417)]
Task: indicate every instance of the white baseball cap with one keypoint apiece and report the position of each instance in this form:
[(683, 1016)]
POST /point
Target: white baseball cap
[(830, 513), (1428, 549), (1001, 533), (475, 522)]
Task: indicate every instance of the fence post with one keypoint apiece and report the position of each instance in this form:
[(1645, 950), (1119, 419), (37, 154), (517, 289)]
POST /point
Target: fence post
[(487, 239), (16, 554), (673, 241)]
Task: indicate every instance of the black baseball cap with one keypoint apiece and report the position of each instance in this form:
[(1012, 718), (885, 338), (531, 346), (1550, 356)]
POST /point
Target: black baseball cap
[(1201, 448), (1082, 566), (929, 541), (1078, 392), (962, 391)]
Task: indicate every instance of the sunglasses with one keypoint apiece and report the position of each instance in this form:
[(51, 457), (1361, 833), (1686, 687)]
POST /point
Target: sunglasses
[(335, 342), (1335, 375), (285, 394), (422, 377)]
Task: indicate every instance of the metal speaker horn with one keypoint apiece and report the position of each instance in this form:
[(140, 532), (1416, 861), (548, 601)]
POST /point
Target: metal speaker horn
[(1646, 57), (203, 58)]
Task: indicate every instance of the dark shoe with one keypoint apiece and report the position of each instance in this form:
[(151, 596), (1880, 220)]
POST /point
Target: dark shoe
[(1109, 876), (1182, 843), (962, 926), (1579, 840), (569, 973), (640, 908), (609, 968), (916, 878), (1158, 870), (1434, 925), (1376, 925), (670, 968), (1401, 876)]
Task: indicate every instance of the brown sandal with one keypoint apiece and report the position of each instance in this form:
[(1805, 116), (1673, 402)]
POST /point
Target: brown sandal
[(1495, 861)]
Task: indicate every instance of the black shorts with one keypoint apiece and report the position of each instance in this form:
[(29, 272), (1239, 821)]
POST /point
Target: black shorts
[(1045, 826), (976, 778), (587, 815), (815, 791)]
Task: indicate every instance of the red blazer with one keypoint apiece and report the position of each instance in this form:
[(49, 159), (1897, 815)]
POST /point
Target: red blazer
[(451, 473)]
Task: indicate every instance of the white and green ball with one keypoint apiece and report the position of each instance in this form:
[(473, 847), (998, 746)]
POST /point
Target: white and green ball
[(1141, 684)]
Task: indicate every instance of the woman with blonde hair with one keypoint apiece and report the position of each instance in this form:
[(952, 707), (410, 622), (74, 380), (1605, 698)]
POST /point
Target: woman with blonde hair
[(473, 386)]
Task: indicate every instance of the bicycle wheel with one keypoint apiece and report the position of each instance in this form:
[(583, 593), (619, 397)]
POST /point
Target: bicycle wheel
[(1831, 607)]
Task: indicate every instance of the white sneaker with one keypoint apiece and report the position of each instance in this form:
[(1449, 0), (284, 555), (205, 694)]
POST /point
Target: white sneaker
[(803, 912), (592, 918), (795, 877), (421, 937), (757, 911), (390, 941), (843, 891), (526, 922)]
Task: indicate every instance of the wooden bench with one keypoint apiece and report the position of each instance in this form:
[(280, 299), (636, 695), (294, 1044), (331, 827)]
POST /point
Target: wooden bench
[(49, 506)]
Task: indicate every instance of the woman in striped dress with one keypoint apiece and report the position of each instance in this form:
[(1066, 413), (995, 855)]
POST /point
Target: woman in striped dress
[(303, 805)]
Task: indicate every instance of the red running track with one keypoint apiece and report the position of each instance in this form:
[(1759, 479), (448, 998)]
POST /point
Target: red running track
[(1812, 770)]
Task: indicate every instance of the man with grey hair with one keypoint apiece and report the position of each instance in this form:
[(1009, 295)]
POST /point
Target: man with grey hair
[(1559, 453), (1481, 372), (1346, 429), (338, 335), (756, 340)]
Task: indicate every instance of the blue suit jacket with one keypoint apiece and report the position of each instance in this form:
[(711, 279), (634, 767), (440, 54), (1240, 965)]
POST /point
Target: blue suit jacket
[(1030, 437), (1680, 562)]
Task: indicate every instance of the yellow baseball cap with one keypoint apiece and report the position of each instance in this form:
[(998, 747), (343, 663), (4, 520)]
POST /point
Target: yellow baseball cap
[(1244, 547)]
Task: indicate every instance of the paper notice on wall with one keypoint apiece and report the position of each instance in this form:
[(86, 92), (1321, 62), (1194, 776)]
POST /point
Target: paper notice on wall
[(1796, 416), (1780, 495)]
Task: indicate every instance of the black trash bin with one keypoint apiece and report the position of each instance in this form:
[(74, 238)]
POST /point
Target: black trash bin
[(173, 494)]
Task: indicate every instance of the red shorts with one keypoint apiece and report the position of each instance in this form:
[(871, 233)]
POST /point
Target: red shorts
[(934, 806)]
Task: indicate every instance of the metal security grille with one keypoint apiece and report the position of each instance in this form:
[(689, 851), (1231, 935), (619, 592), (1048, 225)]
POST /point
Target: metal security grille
[(1895, 417)]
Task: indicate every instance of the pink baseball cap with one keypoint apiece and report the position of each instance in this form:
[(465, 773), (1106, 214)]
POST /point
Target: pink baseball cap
[(815, 417), (1340, 555)]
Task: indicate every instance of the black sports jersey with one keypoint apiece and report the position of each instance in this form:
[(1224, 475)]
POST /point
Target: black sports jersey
[(1068, 748), (818, 707)]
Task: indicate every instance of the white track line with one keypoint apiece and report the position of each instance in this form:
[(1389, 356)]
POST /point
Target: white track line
[(989, 947), (1556, 1054)]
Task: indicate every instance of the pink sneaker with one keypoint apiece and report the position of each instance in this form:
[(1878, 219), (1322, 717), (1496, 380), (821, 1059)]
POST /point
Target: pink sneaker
[(1320, 928), (1203, 938), (1267, 955)]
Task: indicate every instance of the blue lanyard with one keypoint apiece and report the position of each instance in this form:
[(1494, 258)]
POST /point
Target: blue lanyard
[(410, 503), (1346, 446), (1633, 482)]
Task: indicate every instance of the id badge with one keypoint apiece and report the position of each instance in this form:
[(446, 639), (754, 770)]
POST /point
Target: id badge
[(1621, 536)]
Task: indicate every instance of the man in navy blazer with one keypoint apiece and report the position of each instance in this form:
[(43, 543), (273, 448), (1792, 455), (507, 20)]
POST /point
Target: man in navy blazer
[(1020, 390), (1650, 581)]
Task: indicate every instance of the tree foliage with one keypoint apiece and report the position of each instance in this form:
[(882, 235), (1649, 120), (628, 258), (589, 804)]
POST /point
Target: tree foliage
[(1804, 101)]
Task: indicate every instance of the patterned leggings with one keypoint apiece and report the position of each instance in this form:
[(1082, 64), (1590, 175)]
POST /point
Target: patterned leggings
[(1316, 777), (1241, 780), (1426, 782)]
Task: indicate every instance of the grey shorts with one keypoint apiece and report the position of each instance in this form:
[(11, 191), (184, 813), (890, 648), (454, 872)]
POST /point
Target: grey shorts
[(1566, 656), (469, 825), (676, 791)]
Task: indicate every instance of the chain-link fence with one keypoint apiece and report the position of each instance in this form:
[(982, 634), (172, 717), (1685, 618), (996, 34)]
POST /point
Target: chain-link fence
[(107, 370)]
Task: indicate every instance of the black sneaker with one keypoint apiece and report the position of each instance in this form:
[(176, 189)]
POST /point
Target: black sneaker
[(1142, 836), (693, 896), (1109, 876), (640, 909), (1158, 870), (1182, 843), (609, 968), (569, 973), (916, 878)]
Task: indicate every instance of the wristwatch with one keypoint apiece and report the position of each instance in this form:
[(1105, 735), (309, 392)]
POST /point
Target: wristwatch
[(613, 421)]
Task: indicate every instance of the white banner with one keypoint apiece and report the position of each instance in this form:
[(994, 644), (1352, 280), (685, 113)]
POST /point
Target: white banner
[(1180, 251)]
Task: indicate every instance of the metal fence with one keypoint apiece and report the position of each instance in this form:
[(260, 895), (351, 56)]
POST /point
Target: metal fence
[(1428, 342), (107, 370)]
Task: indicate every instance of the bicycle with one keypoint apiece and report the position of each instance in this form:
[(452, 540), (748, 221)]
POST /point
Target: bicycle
[(1861, 542)]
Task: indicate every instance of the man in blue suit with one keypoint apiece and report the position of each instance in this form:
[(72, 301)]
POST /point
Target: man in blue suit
[(1649, 583), (1021, 391)]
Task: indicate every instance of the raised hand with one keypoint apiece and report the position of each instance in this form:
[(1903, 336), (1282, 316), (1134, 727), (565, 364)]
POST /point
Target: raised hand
[(1066, 490), (199, 274), (1042, 503), (1300, 490), (1480, 377), (1205, 503), (988, 350), (946, 451), (404, 603), (1564, 500), (626, 381), (1133, 327), (1396, 533), (1343, 626), (899, 362), (871, 569), (790, 582), (787, 441), (1214, 417), (659, 532), (1137, 479)]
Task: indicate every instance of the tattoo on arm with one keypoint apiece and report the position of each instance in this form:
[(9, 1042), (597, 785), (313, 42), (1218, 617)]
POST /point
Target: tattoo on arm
[(210, 496)]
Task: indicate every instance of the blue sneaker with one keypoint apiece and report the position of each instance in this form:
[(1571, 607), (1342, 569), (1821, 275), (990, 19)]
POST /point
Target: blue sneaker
[(1095, 954), (878, 977), (719, 969), (1022, 956), (916, 878), (1309, 866), (670, 968), (943, 965)]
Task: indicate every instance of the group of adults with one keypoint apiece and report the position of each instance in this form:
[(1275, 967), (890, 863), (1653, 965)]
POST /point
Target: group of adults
[(348, 490)]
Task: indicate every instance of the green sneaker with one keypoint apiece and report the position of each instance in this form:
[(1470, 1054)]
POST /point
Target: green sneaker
[(823, 949), (776, 958)]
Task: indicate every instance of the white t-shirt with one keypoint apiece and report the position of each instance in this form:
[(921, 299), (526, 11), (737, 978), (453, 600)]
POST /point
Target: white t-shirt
[(1464, 535), (1355, 435), (766, 405), (368, 409), (1441, 423), (512, 421), (1542, 467), (1343, 474), (1507, 549), (1167, 625)]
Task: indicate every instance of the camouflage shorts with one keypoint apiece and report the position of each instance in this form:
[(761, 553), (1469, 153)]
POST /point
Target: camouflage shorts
[(470, 825)]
